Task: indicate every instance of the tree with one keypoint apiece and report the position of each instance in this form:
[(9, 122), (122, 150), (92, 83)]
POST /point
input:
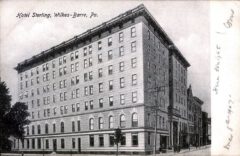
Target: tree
[(12, 119), (118, 137)]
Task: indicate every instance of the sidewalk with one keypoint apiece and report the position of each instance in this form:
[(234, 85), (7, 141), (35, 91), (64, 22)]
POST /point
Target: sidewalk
[(171, 153)]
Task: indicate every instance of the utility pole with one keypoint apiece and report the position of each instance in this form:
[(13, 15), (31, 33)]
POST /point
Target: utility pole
[(155, 107)]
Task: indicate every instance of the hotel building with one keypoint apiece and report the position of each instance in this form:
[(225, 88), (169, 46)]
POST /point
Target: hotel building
[(79, 91)]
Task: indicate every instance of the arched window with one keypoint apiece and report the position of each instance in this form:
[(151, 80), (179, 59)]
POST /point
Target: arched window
[(46, 128), (111, 121), (27, 130), (100, 122), (91, 124), (33, 130), (134, 120), (122, 121), (39, 129), (62, 127)]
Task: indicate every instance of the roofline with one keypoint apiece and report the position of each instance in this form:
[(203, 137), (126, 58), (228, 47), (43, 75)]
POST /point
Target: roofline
[(198, 100), (141, 9)]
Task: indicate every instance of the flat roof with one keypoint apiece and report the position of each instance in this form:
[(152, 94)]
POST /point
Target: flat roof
[(140, 10)]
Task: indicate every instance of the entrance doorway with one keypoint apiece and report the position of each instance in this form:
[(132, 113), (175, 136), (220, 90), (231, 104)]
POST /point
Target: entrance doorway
[(163, 142), (79, 145), (175, 133), (54, 145)]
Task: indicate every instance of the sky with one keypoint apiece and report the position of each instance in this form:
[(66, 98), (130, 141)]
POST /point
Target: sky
[(185, 22)]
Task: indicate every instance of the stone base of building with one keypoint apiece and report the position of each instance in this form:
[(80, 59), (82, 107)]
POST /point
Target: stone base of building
[(88, 152)]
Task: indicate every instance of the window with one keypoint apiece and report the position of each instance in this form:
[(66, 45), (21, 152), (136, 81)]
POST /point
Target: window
[(64, 59), (133, 46), (110, 70), (110, 55), (73, 143), (134, 79), (91, 124), (77, 93), (121, 66), (65, 109), (62, 127), (99, 45), (101, 140), (27, 130), (85, 91), (134, 120), (79, 125), (134, 62), (91, 104), (73, 126), (123, 141), (76, 66), (73, 108), (47, 143), (37, 70), (91, 90), (90, 61), (33, 143), (134, 97), (149, 138), (86, 105), (46, 128), (109, 41), (100, 85), (110, 121), (101, 102), (76, 55), (85, 75), (54, 128), (85, 63), (100, 123), (72, 56), (100, 73), (135, 139), (39, 143), (149, 37), (100, 58), (111, 140), (121, 51), (28, 143), (39, 129), (121, 37), (133, 32), (65, 70), (53, 74), (62, 143), (33, 130), (122, 99), (90, 75), (111, 85), (78, 107), (90, 49), (122, 83), (85, 51), (37, 80), (111, 101), (91, 140), (122, 121)]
